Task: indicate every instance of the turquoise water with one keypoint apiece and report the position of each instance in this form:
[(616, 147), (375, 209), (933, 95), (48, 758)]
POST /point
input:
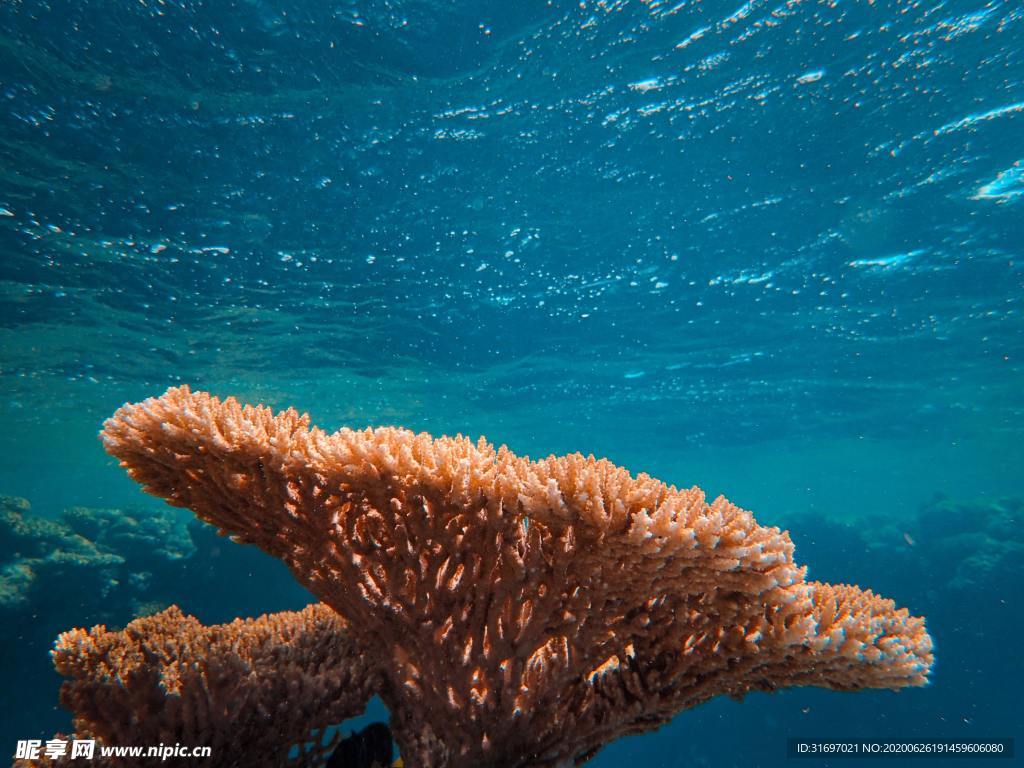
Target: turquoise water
[(772, 249)]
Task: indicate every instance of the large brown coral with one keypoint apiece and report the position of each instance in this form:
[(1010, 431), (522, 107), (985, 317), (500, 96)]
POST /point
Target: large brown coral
[(520, 613)]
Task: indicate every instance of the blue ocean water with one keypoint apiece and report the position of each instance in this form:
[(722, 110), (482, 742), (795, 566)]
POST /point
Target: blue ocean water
[(770, 248)]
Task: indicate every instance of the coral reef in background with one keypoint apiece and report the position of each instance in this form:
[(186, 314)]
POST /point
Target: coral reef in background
[(518, 613), (83, 552), (257, 692), (952, 547), (981, 541)]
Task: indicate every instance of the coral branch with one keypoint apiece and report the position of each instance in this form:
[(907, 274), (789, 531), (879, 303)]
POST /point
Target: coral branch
[(523, 613), (252, 690)]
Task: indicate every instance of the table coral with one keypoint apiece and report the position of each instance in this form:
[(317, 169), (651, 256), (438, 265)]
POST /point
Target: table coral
[(520, 613)]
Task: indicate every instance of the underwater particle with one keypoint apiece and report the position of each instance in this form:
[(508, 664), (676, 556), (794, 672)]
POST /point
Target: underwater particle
[(651, 84), (810, 77), (981, 117), (889, 261), (1008, 185), (693, 37)]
